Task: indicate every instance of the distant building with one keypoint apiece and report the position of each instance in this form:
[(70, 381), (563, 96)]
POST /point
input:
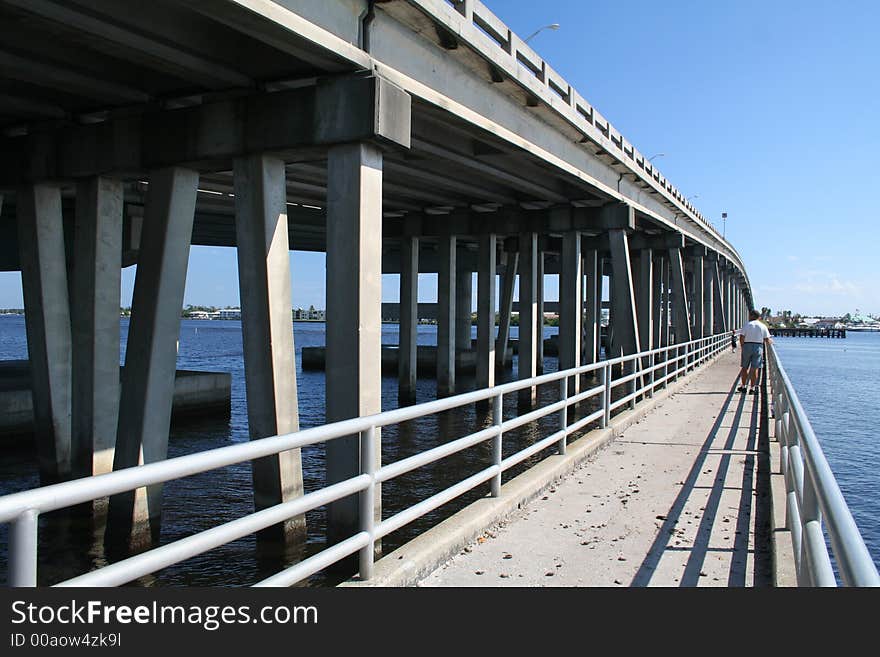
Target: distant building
[(228, 313)]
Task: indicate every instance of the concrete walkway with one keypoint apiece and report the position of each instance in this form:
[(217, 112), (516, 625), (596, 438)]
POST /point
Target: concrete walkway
[(671, 502)]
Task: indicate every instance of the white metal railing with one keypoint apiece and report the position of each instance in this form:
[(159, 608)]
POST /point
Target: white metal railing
[(812, 495), (645, 372)]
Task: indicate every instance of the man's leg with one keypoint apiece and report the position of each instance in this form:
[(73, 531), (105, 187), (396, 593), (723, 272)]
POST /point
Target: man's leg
[(743, 378)]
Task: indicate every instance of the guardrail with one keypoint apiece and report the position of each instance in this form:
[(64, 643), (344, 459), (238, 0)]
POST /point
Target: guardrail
[(812, 495), (493, 39), (641, 373)]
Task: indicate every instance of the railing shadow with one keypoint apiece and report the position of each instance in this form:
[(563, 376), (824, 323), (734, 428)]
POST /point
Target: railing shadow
[(735, 409)]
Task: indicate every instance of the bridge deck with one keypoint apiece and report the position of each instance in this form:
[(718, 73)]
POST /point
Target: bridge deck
[(675, 501)]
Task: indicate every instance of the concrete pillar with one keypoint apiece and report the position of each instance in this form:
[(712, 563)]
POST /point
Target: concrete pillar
[(486, 312), (708, 302), (151, 353), (507, 282), (643, 279), (267, 333), (571, 306), (659, 266), (681, 322), (95, 324), (528, 313), (592, 304), (539, 295), (698, 305), (47, 322), (626, 329), (718, 299), (409, 319), (354, 322), (464, 299), (446, 324)]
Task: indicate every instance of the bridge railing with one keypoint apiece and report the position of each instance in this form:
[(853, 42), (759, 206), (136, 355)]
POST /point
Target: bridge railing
[(813, 496), (642, 374)]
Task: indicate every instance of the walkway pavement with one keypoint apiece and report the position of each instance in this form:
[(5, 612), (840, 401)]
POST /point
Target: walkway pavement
[(671, 502)]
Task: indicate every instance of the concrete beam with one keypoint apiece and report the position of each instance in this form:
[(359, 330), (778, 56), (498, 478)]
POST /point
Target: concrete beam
[(47, 322), (151, 354), (210, 136), (464, 292), (94, 309), (267, 337), (508, 281), (626, 329), (354, 328), (591, 297)]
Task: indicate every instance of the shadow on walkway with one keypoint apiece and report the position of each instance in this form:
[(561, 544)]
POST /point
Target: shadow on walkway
[(735, 433)]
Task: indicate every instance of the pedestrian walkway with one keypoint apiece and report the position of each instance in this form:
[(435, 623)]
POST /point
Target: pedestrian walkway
[(671, 502)]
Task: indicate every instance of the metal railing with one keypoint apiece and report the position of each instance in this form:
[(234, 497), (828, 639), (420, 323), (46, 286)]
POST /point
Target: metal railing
[(642, 373), (812, 495)]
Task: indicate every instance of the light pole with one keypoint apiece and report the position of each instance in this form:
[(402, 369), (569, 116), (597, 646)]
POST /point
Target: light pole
[(692, 196), (552, 26), (724, 225), (657, 155)]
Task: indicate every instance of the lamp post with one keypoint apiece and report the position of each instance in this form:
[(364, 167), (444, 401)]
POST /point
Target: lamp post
[(657, 155), (724, 225), (552, 26), (692, 196)]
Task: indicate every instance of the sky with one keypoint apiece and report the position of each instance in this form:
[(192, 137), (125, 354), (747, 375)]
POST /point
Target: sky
[(767, 111)]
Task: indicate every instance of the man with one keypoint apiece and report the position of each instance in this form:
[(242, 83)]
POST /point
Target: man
[(753, 338)]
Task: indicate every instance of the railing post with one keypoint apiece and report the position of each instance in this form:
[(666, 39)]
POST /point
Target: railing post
[(23, 550), (665, 368), (563, 416), (651, 375), (367, 501), (497, 419), (606, 396)]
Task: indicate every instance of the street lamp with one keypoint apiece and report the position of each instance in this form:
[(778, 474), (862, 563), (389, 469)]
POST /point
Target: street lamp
[(693, 196), (552, 26), (657, 155), (724, 225)]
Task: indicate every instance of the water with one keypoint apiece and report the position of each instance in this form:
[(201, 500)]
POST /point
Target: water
[(838, 383), (206, 500)]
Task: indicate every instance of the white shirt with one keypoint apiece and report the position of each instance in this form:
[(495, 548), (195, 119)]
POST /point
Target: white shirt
[(754, 331)]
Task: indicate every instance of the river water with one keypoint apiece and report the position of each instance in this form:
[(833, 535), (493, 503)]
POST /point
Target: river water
[(837, 381), (206, 500)]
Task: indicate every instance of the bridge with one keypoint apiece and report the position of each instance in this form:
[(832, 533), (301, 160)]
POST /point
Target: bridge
[(398, 136)]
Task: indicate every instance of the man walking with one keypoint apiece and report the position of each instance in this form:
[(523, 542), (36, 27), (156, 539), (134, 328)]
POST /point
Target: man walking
[(753, 338)]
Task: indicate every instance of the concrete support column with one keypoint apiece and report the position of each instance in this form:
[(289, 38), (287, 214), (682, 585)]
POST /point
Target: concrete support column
[(446, 324), (643, 278), (464, 300), (698, 307), (354, 322), (718, 299), (657, 283), (507, 282), (539, 294), (47, 322), (95, 324), (708, 302), (528, 313), (151, 354), (571, 306), (680, 321), (409, 319), (267, 333), (486, 312), (592, 302), (626, 329)]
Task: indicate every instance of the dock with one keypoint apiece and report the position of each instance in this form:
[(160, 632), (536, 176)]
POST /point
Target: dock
[(808, 332), (680, 499)]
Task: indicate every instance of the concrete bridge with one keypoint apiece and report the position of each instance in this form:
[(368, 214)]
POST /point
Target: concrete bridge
[(397, 136)]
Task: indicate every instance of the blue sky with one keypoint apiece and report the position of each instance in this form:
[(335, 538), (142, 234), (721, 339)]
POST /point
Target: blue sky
[(765, 110)]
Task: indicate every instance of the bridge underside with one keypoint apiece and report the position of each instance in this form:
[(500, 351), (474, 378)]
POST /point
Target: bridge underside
[(379, 134)]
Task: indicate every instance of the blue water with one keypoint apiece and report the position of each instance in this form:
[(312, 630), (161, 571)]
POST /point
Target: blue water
[(838, 383), (206, 500)]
